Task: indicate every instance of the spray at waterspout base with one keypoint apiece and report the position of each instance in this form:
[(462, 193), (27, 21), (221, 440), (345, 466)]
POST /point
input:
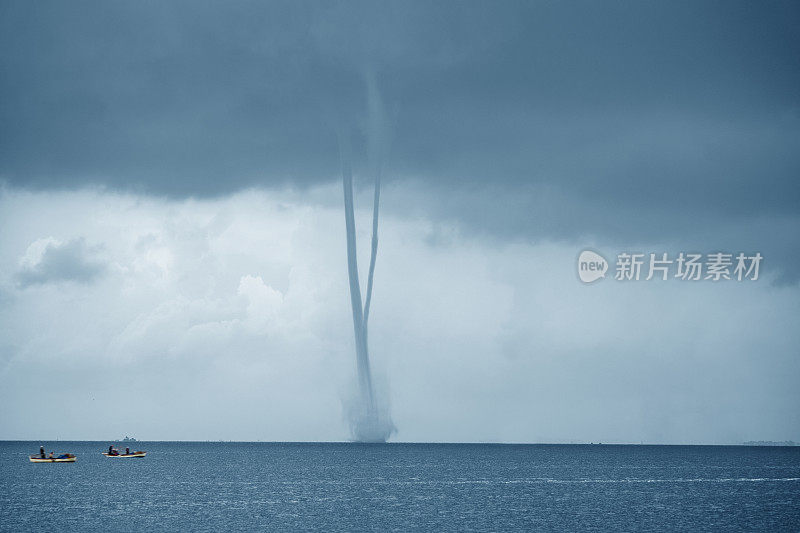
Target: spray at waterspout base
[(369, 418)]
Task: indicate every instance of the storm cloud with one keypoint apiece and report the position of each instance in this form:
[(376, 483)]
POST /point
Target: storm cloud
[(690, 108)]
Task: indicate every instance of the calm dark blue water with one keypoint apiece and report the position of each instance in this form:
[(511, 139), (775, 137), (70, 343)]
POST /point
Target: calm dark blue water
[(441, 487)]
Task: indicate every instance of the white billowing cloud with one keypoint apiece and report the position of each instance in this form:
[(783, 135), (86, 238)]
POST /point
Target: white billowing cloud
[(229, 319), (263, 302), (35, 253)]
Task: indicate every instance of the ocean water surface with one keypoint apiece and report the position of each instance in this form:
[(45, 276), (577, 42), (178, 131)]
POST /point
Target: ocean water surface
[(201, 486)]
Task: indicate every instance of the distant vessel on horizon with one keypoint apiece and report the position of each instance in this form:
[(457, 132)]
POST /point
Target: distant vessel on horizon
[(128, 439)]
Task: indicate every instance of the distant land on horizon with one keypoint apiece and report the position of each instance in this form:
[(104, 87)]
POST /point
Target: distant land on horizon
[(770, 443)]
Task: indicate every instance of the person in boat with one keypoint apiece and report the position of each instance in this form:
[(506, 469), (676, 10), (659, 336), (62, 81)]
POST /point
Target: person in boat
[(51, 455), (127, 451), (41, 452), (112, 451)]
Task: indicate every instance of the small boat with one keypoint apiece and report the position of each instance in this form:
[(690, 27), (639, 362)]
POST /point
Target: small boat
[(120, 455), (63, 458)]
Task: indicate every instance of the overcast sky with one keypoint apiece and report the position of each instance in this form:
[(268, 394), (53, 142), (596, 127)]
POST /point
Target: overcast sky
[(172, 234)]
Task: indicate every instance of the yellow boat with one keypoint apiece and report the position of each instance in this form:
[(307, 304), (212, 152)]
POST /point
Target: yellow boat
[(121, 455), (63, 458)]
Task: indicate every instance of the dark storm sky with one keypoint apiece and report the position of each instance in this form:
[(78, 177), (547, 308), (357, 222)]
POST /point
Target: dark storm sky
[(631, 121)]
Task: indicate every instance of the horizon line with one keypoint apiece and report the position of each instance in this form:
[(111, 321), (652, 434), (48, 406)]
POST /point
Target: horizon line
[(785, 443)]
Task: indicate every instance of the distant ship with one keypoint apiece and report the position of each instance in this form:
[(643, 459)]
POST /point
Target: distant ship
[(128, 439)]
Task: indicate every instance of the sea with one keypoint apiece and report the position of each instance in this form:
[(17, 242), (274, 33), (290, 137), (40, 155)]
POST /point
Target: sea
[(249, 486)]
